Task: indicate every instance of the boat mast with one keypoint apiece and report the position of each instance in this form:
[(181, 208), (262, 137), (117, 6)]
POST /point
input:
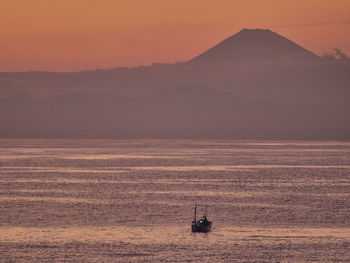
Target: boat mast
[(205, 214), (195, 213)]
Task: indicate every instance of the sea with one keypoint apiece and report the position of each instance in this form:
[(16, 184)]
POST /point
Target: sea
[(104, 200)]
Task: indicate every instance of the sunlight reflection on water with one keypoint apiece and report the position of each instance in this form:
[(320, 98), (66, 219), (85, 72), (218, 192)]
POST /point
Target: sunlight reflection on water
[(158, 235)]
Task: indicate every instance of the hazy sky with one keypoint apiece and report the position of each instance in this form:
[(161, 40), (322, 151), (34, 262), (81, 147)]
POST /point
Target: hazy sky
[(71, 35)]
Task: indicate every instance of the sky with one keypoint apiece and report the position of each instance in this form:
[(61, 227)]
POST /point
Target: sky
[(74, 35)]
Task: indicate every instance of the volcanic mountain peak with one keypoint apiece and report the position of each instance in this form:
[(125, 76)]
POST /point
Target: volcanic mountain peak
[(255, 45)]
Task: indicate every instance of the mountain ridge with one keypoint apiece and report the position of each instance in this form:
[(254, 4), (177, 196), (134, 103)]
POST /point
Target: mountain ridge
[(296, 96), (254, 45)]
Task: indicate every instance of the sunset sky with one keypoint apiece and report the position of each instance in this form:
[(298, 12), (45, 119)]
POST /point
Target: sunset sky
[(72, 35)]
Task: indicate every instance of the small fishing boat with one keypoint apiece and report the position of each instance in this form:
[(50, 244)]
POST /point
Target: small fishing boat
[(202, 225)]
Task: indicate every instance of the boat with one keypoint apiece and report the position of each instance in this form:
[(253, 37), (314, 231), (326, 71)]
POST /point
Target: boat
[(201, 225)]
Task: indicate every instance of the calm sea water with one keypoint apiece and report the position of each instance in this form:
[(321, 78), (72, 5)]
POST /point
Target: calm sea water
[(132, 201)]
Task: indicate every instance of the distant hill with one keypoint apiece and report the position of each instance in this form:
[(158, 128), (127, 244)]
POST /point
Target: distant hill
[(255, 84), (174, 112)]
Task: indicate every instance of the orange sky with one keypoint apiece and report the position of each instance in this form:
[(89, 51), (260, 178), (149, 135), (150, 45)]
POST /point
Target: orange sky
[(72, 35)]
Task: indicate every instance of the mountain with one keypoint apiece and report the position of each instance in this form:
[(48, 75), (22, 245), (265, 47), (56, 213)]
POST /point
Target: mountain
[(250, 63), (255, 45), (174, 112), (255, 84)]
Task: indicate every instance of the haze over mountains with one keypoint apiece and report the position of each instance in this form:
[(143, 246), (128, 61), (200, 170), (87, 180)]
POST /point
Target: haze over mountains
[(255, 84)]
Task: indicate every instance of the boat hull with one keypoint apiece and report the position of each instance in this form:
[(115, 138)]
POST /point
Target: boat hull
[(197, 227)]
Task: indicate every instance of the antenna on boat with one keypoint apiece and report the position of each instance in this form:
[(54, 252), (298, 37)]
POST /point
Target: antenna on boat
[(195, 213), (206, 207)]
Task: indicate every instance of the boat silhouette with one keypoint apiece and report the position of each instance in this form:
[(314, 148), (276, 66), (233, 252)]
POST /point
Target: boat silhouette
[(201, 225)]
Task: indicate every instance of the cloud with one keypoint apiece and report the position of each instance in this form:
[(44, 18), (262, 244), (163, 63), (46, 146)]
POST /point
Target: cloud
[(313, 24), (337, 54)]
